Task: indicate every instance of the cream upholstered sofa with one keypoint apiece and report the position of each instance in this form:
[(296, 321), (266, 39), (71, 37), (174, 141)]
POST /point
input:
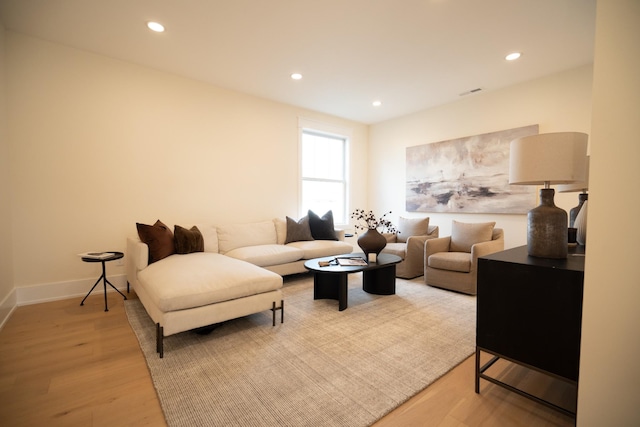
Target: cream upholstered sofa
[(191, 278), (408, 243), (452, 262)]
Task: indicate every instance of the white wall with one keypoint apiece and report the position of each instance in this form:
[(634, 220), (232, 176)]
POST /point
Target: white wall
[(99, 144), (609, 393), (561, 102), (7, 296)]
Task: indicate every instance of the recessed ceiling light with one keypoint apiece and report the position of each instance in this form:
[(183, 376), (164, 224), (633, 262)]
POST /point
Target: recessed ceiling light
[(155, 26), (513, 56), (296, 76), (376, 103)]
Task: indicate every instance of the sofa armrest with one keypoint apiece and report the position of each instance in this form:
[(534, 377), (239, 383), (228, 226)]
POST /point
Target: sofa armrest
[(137, 258), (340, 234)]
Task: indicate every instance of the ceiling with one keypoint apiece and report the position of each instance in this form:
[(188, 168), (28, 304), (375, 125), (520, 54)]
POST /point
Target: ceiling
[(409, 54)]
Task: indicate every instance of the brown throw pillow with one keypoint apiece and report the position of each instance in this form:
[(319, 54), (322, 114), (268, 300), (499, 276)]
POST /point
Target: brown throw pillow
[(322, 227), (188, 241), (298, 231), (159, 238)]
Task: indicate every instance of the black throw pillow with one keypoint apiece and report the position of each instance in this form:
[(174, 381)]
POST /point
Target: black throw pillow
[(322, 227), (188, 241)]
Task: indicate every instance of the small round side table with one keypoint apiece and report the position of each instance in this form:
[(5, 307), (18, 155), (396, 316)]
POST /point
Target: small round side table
[(103, 277)]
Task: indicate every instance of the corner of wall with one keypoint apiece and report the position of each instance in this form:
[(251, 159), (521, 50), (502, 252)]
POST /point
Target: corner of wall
[(7, 289)]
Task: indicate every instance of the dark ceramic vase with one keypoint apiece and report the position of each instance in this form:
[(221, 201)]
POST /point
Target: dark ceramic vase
[(372, 242)]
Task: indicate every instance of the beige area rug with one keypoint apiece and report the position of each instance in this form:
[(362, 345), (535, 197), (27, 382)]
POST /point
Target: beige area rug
[(321, 367)]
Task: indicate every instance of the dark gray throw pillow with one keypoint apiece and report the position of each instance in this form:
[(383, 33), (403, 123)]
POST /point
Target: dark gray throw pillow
[(322, 227), (188, 241), (298, 231)]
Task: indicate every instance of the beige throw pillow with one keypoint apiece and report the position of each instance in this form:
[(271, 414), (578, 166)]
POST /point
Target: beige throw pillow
[(408, 227), (464, 235)]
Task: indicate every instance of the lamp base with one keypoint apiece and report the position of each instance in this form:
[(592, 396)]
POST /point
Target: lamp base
[(573, 213), (547, 228)]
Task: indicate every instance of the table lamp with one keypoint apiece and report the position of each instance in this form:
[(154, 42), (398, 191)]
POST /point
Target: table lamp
[(581, 186), (545, 159)]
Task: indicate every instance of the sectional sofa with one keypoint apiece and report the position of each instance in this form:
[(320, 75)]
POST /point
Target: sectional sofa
[(191, 278)]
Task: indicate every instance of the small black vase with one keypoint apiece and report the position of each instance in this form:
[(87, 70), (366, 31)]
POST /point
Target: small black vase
[(372, 242)]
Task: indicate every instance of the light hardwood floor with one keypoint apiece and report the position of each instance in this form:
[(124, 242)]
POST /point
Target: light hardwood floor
[(62, 364)]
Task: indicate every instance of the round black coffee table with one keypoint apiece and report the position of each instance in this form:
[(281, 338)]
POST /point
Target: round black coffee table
[(331, 282)]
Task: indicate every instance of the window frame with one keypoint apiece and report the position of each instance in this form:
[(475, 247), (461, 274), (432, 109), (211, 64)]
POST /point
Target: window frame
[(322, 129)]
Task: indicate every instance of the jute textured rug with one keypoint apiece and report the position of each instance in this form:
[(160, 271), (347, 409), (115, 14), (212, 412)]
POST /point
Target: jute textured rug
[(321, 367)]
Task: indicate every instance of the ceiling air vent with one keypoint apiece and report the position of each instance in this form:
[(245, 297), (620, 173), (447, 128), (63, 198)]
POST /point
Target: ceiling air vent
[(469, 92)]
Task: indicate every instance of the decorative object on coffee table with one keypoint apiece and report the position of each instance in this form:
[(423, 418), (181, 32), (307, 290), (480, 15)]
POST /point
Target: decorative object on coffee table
[(551, 158), (371, 241)]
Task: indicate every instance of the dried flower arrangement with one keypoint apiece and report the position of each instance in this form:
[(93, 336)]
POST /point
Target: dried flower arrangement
[(371, 222)]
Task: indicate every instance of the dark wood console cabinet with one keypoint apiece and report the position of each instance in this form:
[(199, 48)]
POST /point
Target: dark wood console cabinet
[(529, 312)]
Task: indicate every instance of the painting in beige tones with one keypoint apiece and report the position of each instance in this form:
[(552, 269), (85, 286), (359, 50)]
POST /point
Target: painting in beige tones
[(467, 175)]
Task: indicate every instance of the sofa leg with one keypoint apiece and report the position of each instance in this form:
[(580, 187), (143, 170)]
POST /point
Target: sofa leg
[(160, 340), (274, 309)]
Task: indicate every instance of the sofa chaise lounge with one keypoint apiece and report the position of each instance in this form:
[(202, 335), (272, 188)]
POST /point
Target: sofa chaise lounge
[(236, 271)]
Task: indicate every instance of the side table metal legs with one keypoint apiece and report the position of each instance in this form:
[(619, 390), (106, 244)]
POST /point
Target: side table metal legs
[(103, 277)]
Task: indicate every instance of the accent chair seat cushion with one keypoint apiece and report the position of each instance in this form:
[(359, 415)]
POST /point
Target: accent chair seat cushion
[(453, 261), (180, 282)]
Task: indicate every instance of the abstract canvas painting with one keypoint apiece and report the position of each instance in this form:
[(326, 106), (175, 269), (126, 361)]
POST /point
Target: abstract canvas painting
[(467, 175)]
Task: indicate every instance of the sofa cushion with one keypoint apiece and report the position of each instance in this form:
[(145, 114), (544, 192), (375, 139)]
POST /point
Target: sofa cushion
[(188, 241), (281, 230), (322, 228), (298, 230), (453, 261), (210, 236), (158, 238), (179, 282), (251, 234), (321, 248), (464, 235), (399, 249), (408, 227), (266, 255)]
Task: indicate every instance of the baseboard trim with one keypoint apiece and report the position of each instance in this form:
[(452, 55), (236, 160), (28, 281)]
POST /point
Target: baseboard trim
[(7, 306), (37, 294)]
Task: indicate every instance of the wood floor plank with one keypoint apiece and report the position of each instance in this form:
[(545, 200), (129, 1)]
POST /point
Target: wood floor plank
[(66, 364), (62, 364)]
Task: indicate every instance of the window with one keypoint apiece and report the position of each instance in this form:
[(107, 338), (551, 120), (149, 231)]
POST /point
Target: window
[(324, 174)]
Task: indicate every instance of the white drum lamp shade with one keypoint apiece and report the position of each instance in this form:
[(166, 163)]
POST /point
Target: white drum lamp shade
[(545, 159)]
